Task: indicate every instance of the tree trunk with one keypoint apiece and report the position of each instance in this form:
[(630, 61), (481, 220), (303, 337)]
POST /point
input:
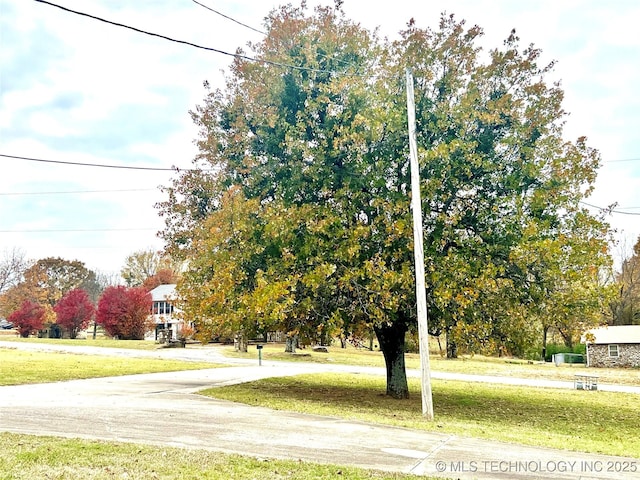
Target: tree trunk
[(291, 342), (545, 330), (240, 342), (566, 337), (391, 339), (452, 348)]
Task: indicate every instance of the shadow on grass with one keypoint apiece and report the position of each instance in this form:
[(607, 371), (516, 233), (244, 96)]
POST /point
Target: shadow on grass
[(577, 420)]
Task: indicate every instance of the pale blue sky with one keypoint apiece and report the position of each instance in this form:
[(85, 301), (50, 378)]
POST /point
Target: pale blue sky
[(73, 89)]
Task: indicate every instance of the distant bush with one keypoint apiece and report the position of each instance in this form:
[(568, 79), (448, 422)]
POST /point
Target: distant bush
[(533, 352)]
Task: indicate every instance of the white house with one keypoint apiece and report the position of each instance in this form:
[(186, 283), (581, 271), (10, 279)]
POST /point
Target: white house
[(616, 346), (163, 313)]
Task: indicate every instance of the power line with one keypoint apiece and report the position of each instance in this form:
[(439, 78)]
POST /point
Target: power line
[(101, 165), (610, 210), (622, 160), (69, 230), (191, 44), (345, 63), (80, 191), (229, 18)]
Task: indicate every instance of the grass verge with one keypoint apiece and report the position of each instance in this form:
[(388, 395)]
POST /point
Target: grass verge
[(27, 457), (597, 422), (475, 365), (98, 342), (19, 367)]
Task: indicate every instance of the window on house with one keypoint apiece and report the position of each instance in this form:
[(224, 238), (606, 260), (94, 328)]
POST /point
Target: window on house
[(162, 308), (613, 351)]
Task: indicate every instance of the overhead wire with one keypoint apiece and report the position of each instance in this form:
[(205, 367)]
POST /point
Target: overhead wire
[(195, 45), (610, 210), (100, 165), (343, 62), (222, 52), (176, 169), (119, 190), (228, 17), (622, 160), (65, 230)]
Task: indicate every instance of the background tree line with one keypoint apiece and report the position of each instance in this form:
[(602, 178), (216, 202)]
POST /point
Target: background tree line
[(64, 297)]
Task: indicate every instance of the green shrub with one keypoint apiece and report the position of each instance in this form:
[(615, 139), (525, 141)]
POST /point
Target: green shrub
[(553, 348), (533, 352)]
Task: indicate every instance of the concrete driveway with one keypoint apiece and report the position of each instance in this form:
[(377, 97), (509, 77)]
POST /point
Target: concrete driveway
[(162, 409)]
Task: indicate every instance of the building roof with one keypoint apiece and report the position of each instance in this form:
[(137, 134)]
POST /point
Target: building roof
[(163, 293), (615, 334)]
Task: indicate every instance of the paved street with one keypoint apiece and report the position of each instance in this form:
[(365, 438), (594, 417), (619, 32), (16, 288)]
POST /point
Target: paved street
[(162, 409)]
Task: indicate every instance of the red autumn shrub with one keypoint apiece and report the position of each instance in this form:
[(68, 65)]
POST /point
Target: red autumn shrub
[(29, 318), (125, 312), (74, 311)]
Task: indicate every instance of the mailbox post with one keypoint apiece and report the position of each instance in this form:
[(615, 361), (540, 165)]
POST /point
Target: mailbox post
[(259, 347)]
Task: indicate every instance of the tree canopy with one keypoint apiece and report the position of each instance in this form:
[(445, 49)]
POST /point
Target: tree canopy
[(624, 308), (296, 216)]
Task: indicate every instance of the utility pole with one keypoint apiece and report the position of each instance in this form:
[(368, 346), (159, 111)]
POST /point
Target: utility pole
[(418, 252)]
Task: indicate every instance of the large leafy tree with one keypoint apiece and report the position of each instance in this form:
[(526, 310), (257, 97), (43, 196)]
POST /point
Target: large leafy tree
[(318, 153), (57, 276), (139, 266), (624, 308), (146, 264), (125, 312), (74, 311)]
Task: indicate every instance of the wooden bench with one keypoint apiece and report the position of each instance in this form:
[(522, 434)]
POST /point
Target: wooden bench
[(584, 381)]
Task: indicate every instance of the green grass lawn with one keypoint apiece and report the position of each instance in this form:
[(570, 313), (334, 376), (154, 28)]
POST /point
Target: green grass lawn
[(30, 457), (19, 366), (598, 422)]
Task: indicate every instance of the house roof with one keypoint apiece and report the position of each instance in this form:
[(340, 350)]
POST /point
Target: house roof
[(163, 292), (615, 334)]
